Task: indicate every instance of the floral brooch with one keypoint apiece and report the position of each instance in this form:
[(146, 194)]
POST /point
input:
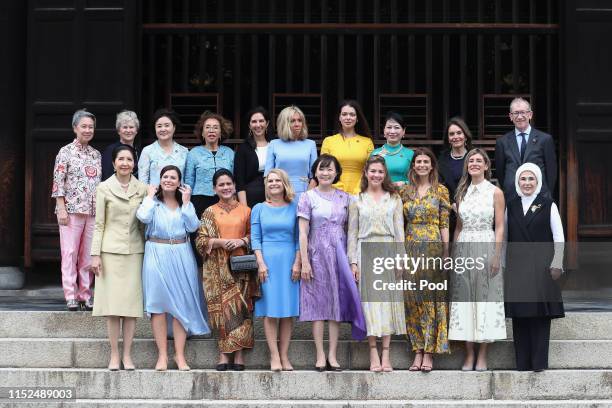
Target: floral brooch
[(534, 208)]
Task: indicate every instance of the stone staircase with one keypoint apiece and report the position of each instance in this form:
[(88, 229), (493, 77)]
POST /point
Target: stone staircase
[(63, 349)]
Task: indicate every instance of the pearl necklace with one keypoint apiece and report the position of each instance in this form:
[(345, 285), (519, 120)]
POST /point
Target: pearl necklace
[(457, 157)]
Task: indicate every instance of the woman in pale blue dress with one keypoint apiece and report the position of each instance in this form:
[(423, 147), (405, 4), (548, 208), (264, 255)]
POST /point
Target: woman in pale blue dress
[(292, 152), (170, 279), (274, 238)]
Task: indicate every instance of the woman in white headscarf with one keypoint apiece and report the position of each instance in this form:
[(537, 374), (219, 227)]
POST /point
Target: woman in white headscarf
[(534, 264)]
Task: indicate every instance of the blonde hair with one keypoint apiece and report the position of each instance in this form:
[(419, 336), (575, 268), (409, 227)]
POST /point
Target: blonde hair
[(125, 117), (289, 193), (283, 124)]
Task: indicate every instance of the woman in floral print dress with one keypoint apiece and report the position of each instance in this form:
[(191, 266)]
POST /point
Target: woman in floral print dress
[(426, 210)]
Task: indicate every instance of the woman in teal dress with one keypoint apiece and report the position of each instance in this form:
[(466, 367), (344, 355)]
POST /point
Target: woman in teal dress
[(397, 157), (274, 238)]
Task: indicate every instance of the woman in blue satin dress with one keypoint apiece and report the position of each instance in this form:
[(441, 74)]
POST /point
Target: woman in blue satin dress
[(170, 280)]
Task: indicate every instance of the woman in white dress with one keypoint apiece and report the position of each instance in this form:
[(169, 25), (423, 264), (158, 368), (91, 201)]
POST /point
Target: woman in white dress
[(376, 216), (477, 308)]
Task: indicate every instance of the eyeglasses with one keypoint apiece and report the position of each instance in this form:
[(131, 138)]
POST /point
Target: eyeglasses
[(211, 128), (520, 113)]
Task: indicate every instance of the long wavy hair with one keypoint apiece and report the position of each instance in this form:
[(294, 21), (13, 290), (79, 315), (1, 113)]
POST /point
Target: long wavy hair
[(466, 179), (411, 189), (387, 184), (362, 127)]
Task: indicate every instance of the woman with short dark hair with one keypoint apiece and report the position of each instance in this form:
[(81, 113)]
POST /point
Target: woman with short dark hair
[(225, 232), (397, 157), (164, 151), (117, 251), (327, 290)]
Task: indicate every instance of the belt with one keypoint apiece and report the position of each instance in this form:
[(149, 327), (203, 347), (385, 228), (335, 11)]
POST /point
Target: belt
[(171, 241)]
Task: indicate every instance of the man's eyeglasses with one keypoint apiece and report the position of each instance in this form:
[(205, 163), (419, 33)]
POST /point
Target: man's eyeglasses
[(520, 113)]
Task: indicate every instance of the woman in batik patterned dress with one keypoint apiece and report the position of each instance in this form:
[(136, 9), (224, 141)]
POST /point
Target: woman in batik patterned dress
[(225, 231)]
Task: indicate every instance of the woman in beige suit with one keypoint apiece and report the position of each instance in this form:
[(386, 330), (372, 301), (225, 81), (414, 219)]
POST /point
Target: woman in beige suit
[(117, 250)]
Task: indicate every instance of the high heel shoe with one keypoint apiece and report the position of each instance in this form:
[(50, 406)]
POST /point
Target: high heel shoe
[(182, 368), (128, 367), (426, 368), (161, 366), (330, 367), (414, 366)]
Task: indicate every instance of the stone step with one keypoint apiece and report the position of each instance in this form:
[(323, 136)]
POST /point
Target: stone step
[(202, 354), (575, 326), (309, 385), (141, 403)]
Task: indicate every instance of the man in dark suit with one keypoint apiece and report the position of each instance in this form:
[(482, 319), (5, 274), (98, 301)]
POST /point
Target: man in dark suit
[(522, 145)]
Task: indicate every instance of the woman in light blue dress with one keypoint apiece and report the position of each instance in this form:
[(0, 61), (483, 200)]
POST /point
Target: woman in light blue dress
[(292, 152), (275, 240), (171, 284), (164, 151)]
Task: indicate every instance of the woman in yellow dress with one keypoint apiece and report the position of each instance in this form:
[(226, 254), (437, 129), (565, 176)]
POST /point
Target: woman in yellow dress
[(426, 210), (352, 145)]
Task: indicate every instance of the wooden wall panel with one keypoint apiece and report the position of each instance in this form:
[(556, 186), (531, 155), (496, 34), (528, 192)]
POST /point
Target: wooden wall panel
[(12, 104), (80, 54), (588, 105)]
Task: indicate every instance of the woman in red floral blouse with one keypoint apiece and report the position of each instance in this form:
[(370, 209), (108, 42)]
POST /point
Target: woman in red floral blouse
[(76, 174)]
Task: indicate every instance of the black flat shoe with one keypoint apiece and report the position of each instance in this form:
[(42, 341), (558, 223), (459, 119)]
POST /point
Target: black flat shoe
[(222, 367), (237, 367)]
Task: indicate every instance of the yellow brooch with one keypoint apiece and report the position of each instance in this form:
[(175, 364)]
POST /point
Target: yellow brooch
[(534, 208)]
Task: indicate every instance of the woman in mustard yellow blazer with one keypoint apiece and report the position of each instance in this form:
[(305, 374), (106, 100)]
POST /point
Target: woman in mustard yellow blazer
[(117, 250)]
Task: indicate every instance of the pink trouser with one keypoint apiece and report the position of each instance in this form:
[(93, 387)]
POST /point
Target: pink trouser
[(75, 244)]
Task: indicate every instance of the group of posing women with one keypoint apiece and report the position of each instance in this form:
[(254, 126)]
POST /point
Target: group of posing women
[(306, 218)]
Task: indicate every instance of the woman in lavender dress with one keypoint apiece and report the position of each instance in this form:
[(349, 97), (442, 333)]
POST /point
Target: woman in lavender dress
[(328, 290)]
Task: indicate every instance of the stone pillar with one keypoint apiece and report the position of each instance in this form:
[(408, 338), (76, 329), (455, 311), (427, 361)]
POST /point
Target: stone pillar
[(13, 33)]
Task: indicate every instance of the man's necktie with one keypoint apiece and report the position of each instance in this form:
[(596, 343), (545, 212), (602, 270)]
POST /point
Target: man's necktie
[(523, 146)]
